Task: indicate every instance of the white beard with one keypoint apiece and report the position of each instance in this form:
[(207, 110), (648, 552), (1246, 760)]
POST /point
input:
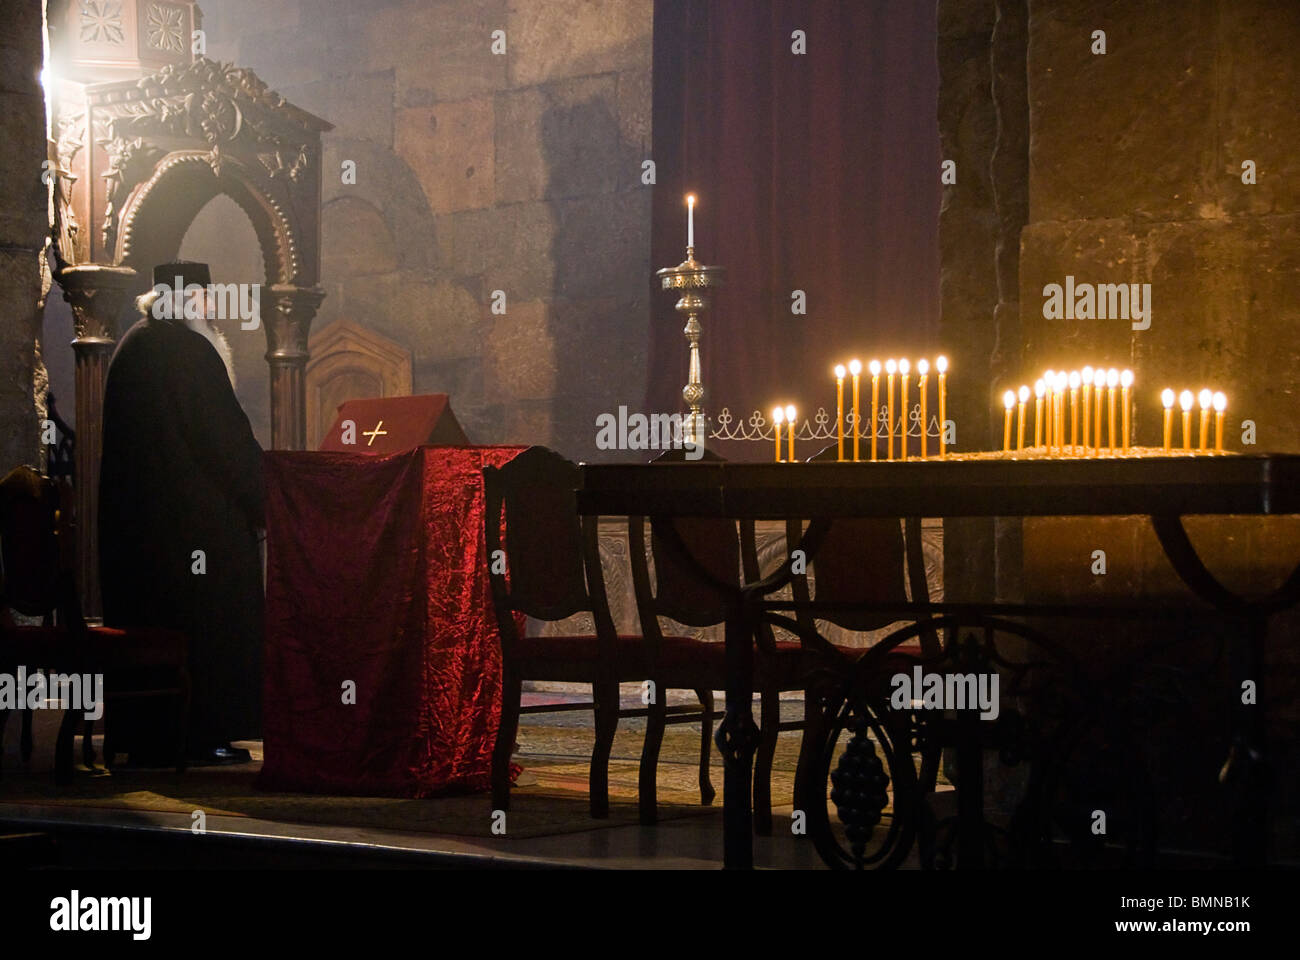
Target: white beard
[(218, 341)]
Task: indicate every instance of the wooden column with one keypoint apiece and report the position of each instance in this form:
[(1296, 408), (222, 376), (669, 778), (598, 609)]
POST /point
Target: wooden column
[(287, 329), (97, 295)]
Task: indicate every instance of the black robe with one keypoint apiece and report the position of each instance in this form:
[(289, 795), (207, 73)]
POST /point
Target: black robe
[(182, 472)]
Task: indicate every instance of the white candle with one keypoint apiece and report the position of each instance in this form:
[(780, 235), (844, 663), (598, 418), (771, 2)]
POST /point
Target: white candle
[(690, 220)]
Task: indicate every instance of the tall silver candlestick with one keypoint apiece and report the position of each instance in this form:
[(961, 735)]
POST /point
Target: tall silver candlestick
[(694, 280)]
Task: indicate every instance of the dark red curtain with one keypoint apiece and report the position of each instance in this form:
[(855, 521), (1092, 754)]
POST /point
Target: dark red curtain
[(816, 172)]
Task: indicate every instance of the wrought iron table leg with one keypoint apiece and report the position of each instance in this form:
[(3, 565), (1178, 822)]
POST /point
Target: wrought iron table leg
[(737, 737)]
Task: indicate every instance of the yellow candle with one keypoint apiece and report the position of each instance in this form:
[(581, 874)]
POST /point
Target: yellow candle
[(1058, 401), (1186, 400), (1020, 418), (1206, 398), (875, 405), (1099, 389), (1040, 388), (1125, 382), (855, 368), (1086, 379), (941, 364), (1074, 410), (1112, 381), (1049, 427), (1220, 405), (923, 368), (890, 366), (1167, 400), (1009, 401), (903, 368), (777, 416), (789, 419), (839, 407)]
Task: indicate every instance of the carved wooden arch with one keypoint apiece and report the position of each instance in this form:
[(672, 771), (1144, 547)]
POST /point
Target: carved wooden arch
[(161, 209)]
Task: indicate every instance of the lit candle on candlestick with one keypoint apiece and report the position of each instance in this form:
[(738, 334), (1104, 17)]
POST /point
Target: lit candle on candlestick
[(1220, 405), (1206, 398), (923, 368), (1167, 400), (1112, 381), (1125, 382), (855, 368), (890, 366), (1186, 401), (1099, 388), (941, 364), (1040, 388), (903, 368), (1075, 380), (789, 419), (777, 416), (690, 221), (1008, 401), (875, 405), (839, 407), (1020, 418), (1087, 408)]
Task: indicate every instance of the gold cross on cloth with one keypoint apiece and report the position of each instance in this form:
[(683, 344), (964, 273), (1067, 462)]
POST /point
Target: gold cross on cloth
[(374, 433)]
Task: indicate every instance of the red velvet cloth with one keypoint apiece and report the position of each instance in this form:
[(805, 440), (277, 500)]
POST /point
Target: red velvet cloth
[(377, 574)]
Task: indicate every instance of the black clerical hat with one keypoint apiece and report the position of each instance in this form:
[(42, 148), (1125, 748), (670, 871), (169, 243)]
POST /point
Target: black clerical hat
[(190, 271)]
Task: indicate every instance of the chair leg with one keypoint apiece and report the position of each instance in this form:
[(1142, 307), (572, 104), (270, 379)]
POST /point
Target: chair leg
[(606, 697), (511, 691), (88, 743), (647, 785), (770, 719), (809, 744), (64, 746), (25, 742), (707, 793)]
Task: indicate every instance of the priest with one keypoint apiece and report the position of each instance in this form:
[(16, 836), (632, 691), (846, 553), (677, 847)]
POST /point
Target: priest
[(180, 509)]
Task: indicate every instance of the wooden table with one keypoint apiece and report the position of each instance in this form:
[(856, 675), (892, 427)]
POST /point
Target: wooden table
[(1163, 488)]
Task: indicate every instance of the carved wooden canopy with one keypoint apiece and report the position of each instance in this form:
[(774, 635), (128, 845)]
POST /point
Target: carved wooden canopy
[(139, 158)]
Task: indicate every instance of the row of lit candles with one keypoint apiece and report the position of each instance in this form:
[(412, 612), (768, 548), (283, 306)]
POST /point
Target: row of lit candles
[(1052, 409), (1186, 401), (903, 369)]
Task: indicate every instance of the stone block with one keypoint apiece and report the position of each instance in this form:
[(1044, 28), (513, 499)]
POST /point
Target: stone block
[(520, 359), (509, 247), (1130, 133), (1259, 73), (602, 245), (23, 217), (451, 148), (557, 140), (444, 48), (355, 240), (549, 39)]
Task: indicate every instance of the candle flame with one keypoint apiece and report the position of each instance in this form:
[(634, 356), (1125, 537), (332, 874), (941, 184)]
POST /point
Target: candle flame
[(1186, 400), (1206, 398), (1074, 380), (840, 371), (690, 199), (789, 412), (891, 365), (875, 368), (1126, 378), (1112, 377), (1024, 394), (1087, 374), (1167, 398), (1009, 399), (1040, 388), (941, 363), (1062, 381), (1099, 378), (855, 366), (778, 415), (1220, 402), (904, 366), (923, 367)]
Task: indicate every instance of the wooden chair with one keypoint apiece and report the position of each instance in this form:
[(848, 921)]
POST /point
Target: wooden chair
[(865, 561), (676, 592), (37, 581), (552, 571)]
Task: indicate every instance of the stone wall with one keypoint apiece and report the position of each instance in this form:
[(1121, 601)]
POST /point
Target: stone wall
[(475, 172), (23, 226)]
